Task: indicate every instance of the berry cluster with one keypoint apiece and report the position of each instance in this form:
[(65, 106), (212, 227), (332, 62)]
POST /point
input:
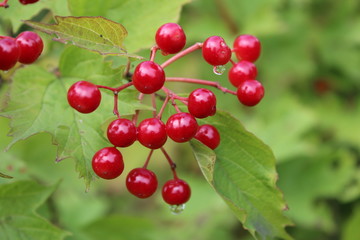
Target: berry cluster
[(148, 78), (25, 48)]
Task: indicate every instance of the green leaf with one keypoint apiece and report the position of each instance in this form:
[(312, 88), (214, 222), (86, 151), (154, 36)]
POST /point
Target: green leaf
[(351, 229), (18, 219), (244, 175), (93, 33)]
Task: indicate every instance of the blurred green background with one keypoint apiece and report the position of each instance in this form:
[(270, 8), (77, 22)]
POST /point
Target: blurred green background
[(310, 67)]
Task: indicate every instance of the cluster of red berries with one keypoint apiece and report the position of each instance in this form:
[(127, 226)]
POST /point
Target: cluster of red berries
[(148, 78), (25, 48)]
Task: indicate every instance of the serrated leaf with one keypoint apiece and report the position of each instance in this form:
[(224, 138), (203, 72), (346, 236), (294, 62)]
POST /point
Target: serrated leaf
[(18, 220), (93, 33), (244, 175)]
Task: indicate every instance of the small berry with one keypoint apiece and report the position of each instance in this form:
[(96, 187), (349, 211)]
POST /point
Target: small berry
[(84, 96), (241, 71), (121, 132), (108, 163), (141, 182), (181, 127), (151, 133), (247, 47), (208, 135), (202, 103), (250, 92), (30, 45), (215, 51), (171, 38), (176, 192), (148, 77), (9, 53), (24, 2)]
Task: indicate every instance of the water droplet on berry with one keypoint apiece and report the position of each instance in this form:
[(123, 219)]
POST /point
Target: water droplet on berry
[(219, 70), (177, 209)]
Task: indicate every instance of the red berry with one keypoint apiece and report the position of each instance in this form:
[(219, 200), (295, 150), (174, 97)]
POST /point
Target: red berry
[(208, 135), (176, 192), (9, 53), (30, 45), (108, 163), (241, 71), (121, 132), (148, 77), (171, 38), (250, 92), (152, 133), (202, 103), (141, 182), (28, 1), (181, 127), (215, 51), (247, 47), (84, 96)]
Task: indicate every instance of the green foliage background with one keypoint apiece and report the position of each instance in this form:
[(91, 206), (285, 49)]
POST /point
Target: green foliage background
[(309, 117)]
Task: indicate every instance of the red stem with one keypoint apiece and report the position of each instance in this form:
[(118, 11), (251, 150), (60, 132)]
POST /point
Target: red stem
[(179, 55), (116, 108), (136, 115), (163, 107), (4, 4), (148, 158), (154, 49), (171, 163), (153, 101)]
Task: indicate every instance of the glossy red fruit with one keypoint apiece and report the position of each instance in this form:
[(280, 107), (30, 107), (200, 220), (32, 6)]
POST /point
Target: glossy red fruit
[(215, 51), (151, 133), (181, 127), (141, 182), (84, 96), (202, 103), (108, 163), (250, 92), (241, 71), (148, 77), (30, 45), (24, 2), (121, 132), (208, 135), (9, 53), (171, 38), (176, 192), (247, 47)]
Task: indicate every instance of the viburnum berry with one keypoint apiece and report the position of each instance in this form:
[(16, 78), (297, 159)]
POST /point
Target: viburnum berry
[(250, 92), (215, 51), (181, 127), (30, 45), (121, 132), (170, 38), (202, 103), (9, 53), (176, 192), (141, 182), (241, 71), (108, 163), (247, 47), (208, 135), (148, 77), (151, 133), (84, 96), (24, 2)]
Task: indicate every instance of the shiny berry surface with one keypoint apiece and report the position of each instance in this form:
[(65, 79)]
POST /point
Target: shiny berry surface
[(9, 53), (250, 92), (151, 133), (241, 71), (141, 182), (84, 96), (247, 47), (108, 163), (30, 45), (148, 77), (181, 127), (24, 2), (215, 51), (171, 38), (202, 103), (121, 132), (208, 135), (176, 192)]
